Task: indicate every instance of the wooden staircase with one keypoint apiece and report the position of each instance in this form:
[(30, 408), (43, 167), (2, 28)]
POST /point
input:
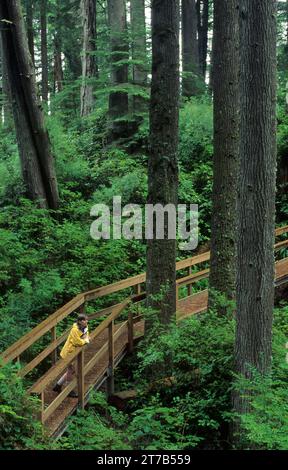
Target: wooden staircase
[(110, 341)]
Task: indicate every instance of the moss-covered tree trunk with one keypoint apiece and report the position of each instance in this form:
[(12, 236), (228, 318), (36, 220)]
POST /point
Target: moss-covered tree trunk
[(202, 8), (58, 71), (162, 167), (44, 50), (226, 149), (256, 208), (30, 28), (89, 60), (190, 51), (139, 52), (118, 100), (33, 141)]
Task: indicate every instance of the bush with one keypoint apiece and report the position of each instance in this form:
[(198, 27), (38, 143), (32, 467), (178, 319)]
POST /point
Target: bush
[(266, 426), (19, 426), (196, 134)]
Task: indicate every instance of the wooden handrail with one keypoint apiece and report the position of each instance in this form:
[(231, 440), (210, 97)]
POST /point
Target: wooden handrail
[(62, 365), (192, 278), (50, 349), (281, 245), (16, 349), (281, 230), (30, 338)]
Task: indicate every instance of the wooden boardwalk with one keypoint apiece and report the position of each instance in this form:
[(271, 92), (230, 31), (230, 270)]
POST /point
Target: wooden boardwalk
[(95, 363), (94, 379)]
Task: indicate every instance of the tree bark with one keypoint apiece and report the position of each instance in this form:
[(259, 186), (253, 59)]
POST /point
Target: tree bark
[(139, 51), (89, 61), (162, 166), (2, 97), (30, 29), (190, 51), (202, 7), (118, 100), (58, 72), (226, 149), (256, 208), (44, 51), (6, 106), (33, 141), (71, 46)]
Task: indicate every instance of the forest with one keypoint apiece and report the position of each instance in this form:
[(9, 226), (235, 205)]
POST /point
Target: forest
[(114, 116)]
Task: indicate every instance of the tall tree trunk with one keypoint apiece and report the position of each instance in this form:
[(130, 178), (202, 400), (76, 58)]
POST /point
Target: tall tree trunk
[(256, 209), (226, 149), (190, 51), (71, 46), (118, 100), (202, 7), (58, 71), (44, 52), (33, 142), (6, 114), (162, 166), (30, 28), (2, 97), (139, 51), (89, 61), (287, 22), (211, 69)]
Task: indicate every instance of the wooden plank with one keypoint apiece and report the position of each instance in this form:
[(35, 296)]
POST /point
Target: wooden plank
[(59, 399), (193, 278), (185, 263), (281, 230), (281, 245), (31, 365), (197, 303), (95, 358)]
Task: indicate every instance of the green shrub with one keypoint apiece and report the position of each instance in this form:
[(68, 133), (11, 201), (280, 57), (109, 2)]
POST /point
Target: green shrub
[(19, 427)]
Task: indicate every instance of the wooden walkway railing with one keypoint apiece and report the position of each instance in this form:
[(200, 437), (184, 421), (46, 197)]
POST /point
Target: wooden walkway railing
[(78, 303)]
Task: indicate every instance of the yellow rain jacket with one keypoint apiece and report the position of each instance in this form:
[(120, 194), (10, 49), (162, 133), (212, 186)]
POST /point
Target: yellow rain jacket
[(75, 339)]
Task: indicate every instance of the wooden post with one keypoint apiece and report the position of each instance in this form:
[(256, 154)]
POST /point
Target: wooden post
[(82, 308), (177, 296), (130, 332), (137, 289), (53, 338), (80, 378), (189, 286), (110, 382), (42, 407)]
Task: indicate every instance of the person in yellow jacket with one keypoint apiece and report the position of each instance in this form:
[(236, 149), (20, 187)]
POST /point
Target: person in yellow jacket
[(78, 337)]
